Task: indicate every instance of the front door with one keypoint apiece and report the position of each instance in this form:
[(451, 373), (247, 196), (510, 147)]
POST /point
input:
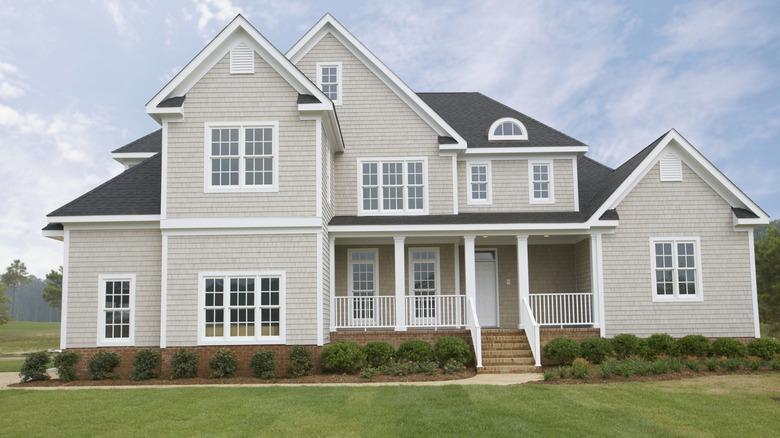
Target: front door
[(487, 288)]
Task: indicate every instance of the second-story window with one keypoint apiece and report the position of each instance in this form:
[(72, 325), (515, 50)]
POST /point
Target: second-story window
[(479, 191), (241, 157), (329, 80), (541, 182), (392, 186)]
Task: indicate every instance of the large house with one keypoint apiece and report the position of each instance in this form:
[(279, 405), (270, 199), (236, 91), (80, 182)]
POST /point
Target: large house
[(307, 197)]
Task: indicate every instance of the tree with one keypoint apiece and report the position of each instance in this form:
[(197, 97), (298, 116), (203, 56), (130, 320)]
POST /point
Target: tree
[(768, 276), (52, 292), (15, 275), (4, 315)]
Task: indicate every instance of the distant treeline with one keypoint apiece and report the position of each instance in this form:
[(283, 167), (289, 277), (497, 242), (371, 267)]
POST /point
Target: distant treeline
[(30, 305)]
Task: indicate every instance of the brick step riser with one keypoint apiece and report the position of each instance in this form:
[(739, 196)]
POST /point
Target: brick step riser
[(506, 346), (504, 338), (509, 370), (506, 353), (508, 362)]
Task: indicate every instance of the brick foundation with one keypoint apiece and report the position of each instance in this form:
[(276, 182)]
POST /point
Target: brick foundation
[(578, 334), (396, 338)]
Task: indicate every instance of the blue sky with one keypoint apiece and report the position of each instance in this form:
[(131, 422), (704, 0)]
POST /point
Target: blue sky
[(75, 76)]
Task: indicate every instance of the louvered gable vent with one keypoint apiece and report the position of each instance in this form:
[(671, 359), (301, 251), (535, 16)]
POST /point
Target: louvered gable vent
[(671, 167), (242, 59)]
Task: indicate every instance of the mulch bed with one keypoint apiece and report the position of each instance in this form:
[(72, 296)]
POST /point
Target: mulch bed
[(685, 373), (317, 378)]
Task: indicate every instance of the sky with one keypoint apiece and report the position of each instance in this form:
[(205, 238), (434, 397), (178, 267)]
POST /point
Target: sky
[(75, 76)]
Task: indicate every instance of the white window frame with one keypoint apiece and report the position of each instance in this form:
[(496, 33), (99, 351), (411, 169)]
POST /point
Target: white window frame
[(102, 341), (242, 186), (507, 137), (489, 183), (226, 339), (351, 291), (550, 199), (339, 83), (380, 211), (437, 291), (676, 297)]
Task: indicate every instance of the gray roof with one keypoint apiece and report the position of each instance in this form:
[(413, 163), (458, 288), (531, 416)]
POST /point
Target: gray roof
[(150, 143), (741, 213), (133, 192), (471, 115), (307, 98), (173, 102)]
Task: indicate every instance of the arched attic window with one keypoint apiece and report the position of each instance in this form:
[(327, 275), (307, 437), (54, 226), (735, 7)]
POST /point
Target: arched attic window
[(507, 129)]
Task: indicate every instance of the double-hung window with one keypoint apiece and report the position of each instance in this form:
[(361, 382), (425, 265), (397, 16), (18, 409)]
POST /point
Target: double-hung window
[(363, 283), (424, 279), (241, 157), (676, 269), (116, 325), (392, 186), (479, 190), (540, 182), (240, 308), (329, 80)]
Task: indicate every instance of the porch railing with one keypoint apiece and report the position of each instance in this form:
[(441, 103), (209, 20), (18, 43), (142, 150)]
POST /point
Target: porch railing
[(365, 312), (476, 331), (435, 310), (420, 311), (531, 327), (562, 308)]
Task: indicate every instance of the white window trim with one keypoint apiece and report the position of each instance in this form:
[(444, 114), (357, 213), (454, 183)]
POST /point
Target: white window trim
[(488, 171), (257, 339), (380, 211), (102, 341), (551, 198), (340, 83), (350, 291), (410, 268), (676, 297), (241, 187), (492, 137)]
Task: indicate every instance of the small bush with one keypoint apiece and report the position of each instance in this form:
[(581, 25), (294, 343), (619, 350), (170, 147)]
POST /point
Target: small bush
[(641, 367), (452, 366), (562, 350), (595, 350), (300, 362), (563, 372), (695, 345), (65, 361), (369, 372), (728, 347), (775, 362), (102, 365), (753, 362), (263, 364), (580, 368), (712, 363), (660, 366), (675, 364), (626, 345), (223, 364), (605, 369), (184, 364), (692, 363), (415, 350), (343, 357), (449, 348), (623, 368), (658, 344), (764, 348), (146, 365), (34, 367), (731, 363), (378, 353), (547, 375)]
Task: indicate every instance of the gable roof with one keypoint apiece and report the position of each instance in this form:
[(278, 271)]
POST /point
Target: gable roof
[(149, 143), (472, 114), (329, 25)]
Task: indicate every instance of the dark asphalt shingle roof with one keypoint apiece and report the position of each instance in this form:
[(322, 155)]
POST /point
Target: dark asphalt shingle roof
[(150, 143), (741, 213), (471, 114), (134, 191), (173, 102), (307, 98)]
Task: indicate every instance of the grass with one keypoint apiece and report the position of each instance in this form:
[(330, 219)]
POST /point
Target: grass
[(26, 337), (708, 406), (7, 366)]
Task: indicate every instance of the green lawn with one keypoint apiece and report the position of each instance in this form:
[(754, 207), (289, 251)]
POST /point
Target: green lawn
[(708, 406), (25, 337)]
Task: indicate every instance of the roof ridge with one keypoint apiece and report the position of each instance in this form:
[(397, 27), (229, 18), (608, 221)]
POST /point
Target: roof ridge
[(137, 140)]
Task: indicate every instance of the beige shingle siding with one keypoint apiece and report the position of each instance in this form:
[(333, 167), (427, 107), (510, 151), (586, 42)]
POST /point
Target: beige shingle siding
[(98, 252), (510, 187), (582, 266), (295, 254), (677, 209), (222, 97), (552, 268), (371, 118)]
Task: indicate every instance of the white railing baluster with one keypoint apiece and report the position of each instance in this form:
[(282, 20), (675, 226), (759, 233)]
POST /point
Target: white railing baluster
[(562, 308)]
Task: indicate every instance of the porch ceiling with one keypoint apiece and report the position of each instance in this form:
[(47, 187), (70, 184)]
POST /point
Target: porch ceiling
[(481, 240)]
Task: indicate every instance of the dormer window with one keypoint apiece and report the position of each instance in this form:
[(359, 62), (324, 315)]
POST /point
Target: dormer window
[(329, 80), (507, 129)]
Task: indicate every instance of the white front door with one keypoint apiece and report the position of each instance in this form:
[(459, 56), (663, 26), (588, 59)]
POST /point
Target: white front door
[(487, 288)]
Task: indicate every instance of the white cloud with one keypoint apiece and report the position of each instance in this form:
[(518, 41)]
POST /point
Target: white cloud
[(220, 11), (124, 14), (10, 84)]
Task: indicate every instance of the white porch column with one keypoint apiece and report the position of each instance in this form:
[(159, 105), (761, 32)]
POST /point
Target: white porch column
[(332, 282), (597, 282), (523, 282), (400, 282), (471, 274)]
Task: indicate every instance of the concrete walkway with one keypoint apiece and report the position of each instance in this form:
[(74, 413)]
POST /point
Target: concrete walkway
[(480, 379)]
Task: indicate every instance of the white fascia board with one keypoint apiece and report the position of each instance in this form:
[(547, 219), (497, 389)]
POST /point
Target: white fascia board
[(104, 219), (529, 150), (455, 229), (238, 30), (54, 234), (132, 155), (330, 24), (324, 111), (748, 222), (451, 147), (240, 223), (317, 107)]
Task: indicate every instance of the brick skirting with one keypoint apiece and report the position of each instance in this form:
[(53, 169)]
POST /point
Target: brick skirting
[(395, 338)]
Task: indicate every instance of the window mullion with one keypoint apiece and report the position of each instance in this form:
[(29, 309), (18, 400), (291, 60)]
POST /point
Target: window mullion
[(405, 185)]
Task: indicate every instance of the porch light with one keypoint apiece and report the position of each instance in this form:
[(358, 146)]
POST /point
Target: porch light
[(546, 236), (484, 237)]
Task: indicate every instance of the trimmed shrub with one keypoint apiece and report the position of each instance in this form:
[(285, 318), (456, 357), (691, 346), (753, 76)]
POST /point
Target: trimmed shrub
[(580, 368), (34, 367), (184, 364), (626, 345), (263, 364), (562, 350), (224, 364), (753, 362), (728, 347), (695, 345), (660, 366), (102, 365), (343, 357), (146, 365), (300, 362), (65, 361), (415, 350), (451, 347), (595, 350), (378, 353), (712, 363), (692, 363), (658, 344), (764, 348)]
